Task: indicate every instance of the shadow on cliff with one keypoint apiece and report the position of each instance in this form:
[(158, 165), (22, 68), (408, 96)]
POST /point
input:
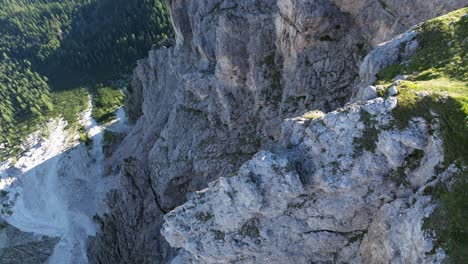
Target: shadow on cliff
[(59, 197)]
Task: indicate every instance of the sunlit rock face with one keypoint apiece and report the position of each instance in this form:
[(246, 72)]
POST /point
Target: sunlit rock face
[(324, 195), (380, 20), (207, 105)]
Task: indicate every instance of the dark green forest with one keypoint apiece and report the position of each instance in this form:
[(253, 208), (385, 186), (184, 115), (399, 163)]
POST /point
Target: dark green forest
[(50, 47)]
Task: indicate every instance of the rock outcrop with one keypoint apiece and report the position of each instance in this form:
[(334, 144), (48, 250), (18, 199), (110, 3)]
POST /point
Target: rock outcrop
[(140, 208), (17, 247), (207, 105), (347, 186)]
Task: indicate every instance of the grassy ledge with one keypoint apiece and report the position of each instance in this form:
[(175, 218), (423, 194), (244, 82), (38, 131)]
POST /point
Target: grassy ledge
[(439, 71)]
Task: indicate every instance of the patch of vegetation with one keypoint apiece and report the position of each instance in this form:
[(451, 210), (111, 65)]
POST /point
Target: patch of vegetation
[(386, 75), (106, 101), (442, 50), (381, 93), (3, 193), (218, 235), (327, 38), (314, 115), (370, 134), (67, 104), (24, 97), (447, 101), (399, 176), (84, 138), (204, 217), (250, 229), (440, 70), (449, 220), (111, 139), (357, 237), (413, 161), (109, 136), (301, 204)]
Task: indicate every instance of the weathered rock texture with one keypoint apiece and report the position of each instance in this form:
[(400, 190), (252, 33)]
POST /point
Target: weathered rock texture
[(140, 209), (208, 104), (17, 247), (343, 188)]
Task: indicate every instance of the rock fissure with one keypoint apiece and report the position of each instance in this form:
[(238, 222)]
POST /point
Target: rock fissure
[(156, 196), (334, 231)]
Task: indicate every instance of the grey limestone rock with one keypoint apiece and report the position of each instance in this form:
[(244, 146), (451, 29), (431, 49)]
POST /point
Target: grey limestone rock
[(17, 247), (387, 54), (325, 192), (142, 217), (207, 105), (393, 91), (366, 94)]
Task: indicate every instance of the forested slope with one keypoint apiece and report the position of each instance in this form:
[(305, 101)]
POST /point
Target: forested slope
[(49, 47)]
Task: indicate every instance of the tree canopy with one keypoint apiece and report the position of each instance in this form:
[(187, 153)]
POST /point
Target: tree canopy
[(55, 45)]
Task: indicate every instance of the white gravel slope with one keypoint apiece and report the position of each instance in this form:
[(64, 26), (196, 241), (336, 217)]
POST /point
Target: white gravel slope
[(58, 186)]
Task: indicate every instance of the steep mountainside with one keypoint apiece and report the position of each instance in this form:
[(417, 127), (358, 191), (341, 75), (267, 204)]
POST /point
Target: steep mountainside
[(382, 180), (328, 182)]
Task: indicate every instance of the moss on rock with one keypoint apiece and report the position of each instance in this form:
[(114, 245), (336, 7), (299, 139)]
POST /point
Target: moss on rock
[(437, 90)]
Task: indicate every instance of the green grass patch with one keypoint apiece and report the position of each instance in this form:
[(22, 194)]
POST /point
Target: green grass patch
[(443, 46), (439, 69), (448, 102), (106, 101)]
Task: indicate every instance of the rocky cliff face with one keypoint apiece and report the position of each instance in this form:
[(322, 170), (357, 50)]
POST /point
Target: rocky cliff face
[(17, 247), (325, 188), (207, 105)]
